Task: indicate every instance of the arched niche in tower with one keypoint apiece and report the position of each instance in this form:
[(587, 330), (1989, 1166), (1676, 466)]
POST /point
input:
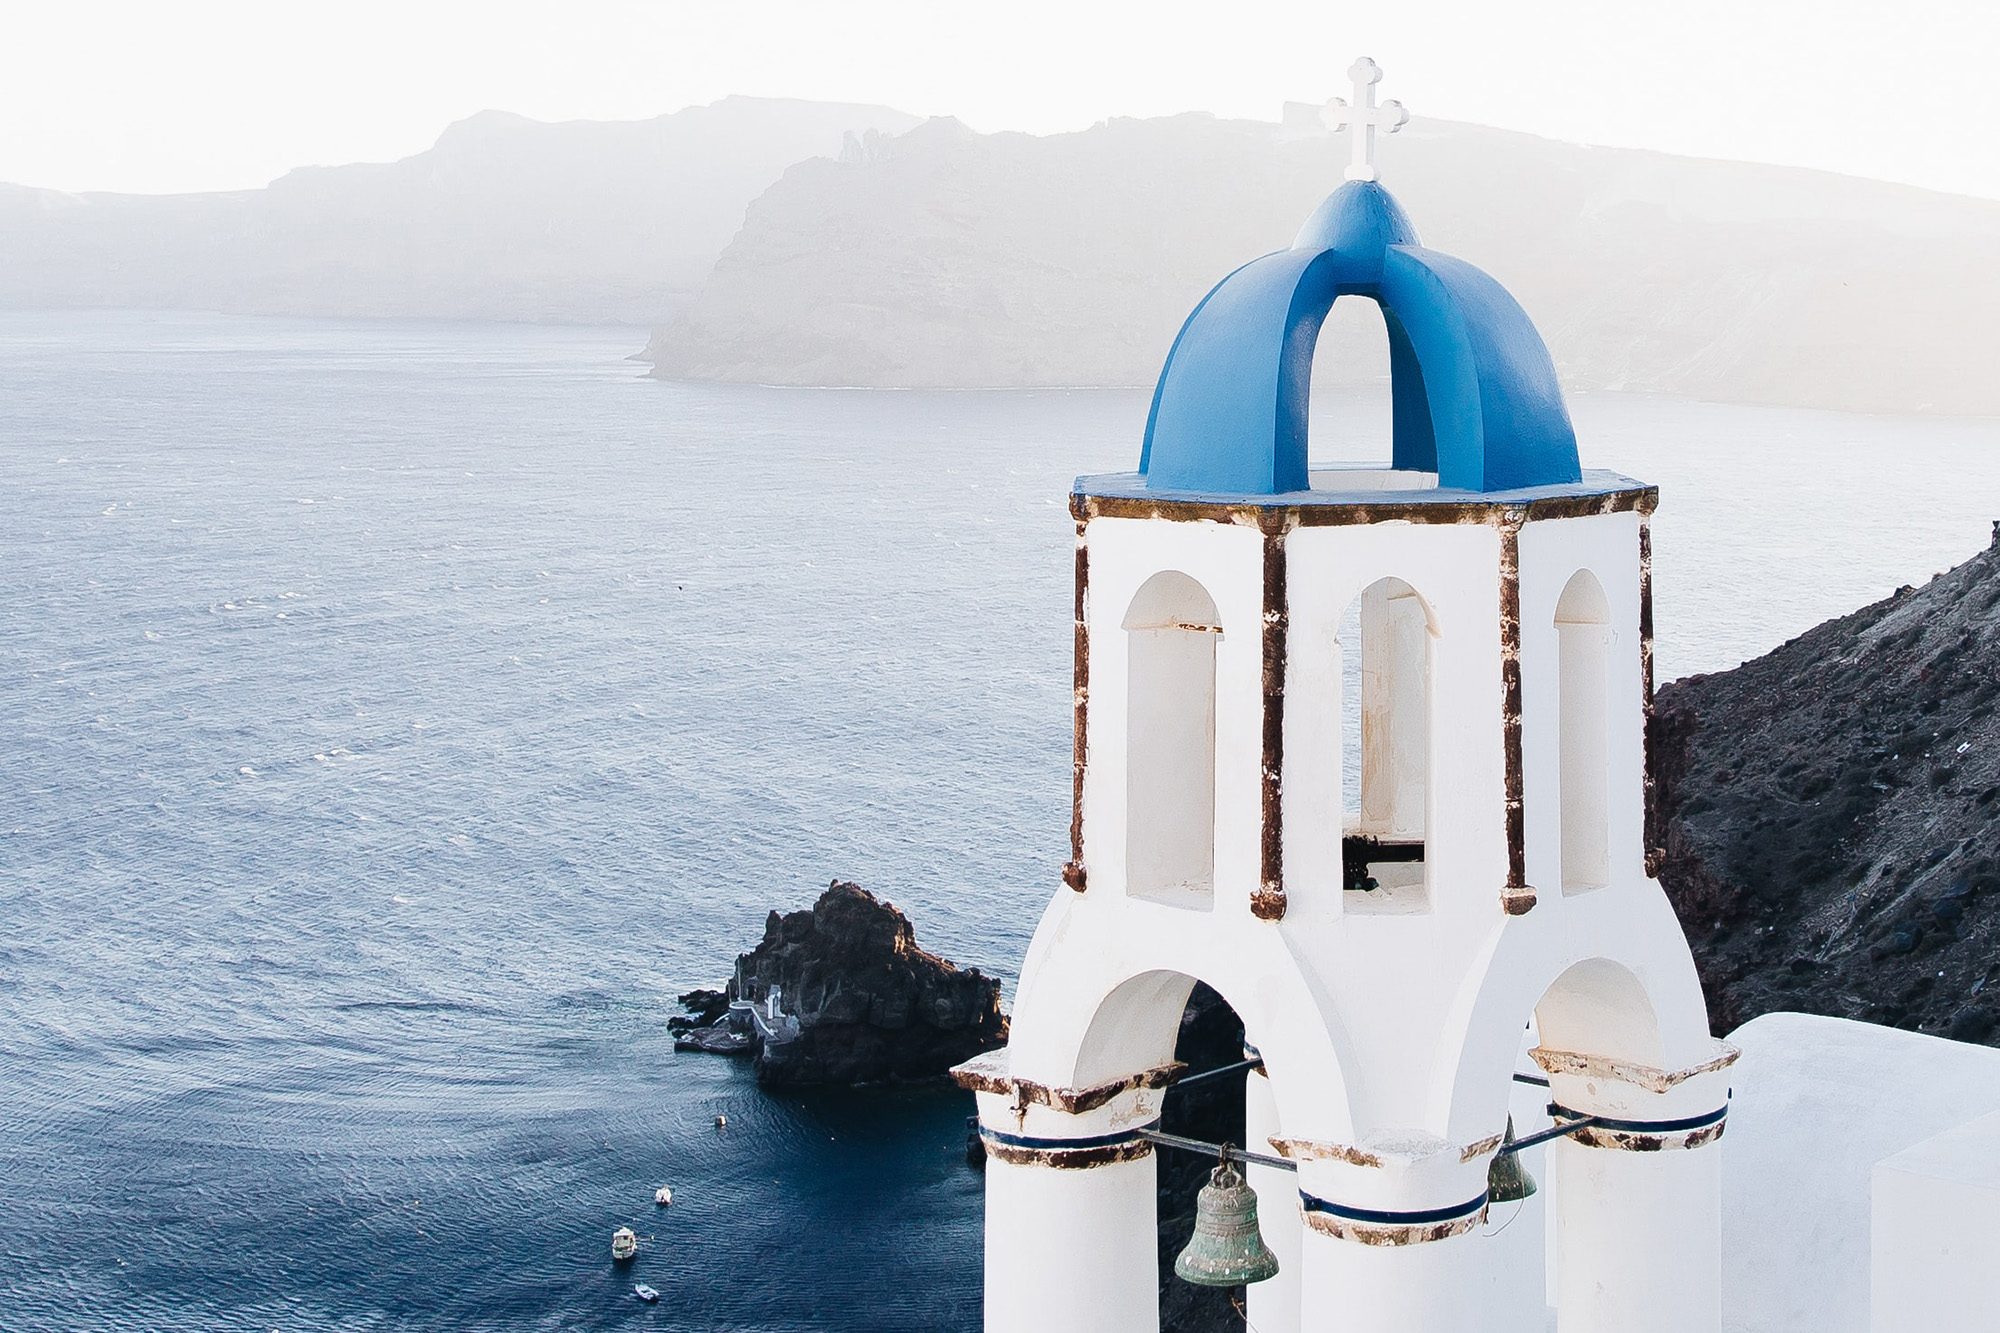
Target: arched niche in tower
[(1385, 643), (1600, 1007), (1171, 629), (1135, 1027), (1583, 633)]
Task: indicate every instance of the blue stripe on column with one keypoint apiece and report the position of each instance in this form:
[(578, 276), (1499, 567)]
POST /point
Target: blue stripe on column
[(1095, 1141), (1558, 1111), (1382, 1217)]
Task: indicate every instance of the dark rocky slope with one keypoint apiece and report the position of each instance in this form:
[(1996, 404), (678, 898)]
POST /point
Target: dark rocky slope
[(1829, 815), (858, 1001)]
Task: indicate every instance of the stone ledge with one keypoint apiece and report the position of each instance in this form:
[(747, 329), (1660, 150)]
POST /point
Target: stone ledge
[(991, 1073), (1623, 1071)]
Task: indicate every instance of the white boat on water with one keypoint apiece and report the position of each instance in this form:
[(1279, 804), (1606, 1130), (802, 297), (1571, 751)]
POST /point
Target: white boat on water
[(623, 1244), (646, 1294), (663, 1196)]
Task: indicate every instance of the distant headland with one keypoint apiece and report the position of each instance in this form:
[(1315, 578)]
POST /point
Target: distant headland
[(790, 242)]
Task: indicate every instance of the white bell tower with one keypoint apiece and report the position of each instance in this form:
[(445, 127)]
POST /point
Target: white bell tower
[(1476, 613)]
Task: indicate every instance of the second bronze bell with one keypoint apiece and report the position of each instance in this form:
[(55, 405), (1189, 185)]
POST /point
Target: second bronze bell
[(1507, 1180)]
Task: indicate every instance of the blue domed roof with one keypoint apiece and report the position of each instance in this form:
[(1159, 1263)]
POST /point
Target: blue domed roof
[(1475, 393)]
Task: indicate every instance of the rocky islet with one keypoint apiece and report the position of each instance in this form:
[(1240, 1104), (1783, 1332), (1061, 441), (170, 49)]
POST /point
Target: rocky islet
[(856, 1000)]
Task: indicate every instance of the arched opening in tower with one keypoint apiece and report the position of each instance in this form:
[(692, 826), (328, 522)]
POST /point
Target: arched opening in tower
[(1352, 408), (1210, 1038), (1144, 1022), (1583, 632), (1171, 630), (1385, 654)]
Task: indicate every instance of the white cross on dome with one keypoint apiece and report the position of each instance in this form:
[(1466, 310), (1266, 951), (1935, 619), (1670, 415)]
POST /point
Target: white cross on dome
[(1364, 117)]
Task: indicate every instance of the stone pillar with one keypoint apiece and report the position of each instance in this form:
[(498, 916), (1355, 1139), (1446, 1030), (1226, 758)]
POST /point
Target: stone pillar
[(1071, 1239), (1273, 1305), (1637, 1200), (1390, 1239), (1072, 1218), (1385, 1285)]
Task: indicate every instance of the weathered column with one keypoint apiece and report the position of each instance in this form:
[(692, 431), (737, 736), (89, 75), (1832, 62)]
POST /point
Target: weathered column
[(1071, 1202), (1070, 1238), (1409, 1288), (1389, 1243), (1273, 1305), (1637, 1200)]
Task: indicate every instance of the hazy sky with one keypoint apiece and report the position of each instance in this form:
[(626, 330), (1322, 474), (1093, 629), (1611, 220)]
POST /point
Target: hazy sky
[(141, 95)]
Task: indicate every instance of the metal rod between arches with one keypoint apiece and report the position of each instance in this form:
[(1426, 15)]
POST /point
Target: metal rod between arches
[(1207, 1074), (1218, 1150), (1535, 1079), (1215, 1149)]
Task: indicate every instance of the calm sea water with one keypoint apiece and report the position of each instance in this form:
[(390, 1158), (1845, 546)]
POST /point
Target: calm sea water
[(394, 719)]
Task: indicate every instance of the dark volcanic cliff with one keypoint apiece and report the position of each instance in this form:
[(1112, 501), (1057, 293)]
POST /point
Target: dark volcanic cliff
[(860, 1001), (1830, 815)]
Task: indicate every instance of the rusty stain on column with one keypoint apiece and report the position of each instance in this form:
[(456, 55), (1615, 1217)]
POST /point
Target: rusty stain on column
[(1072, 871), (1268, 901), (1646, 609), (1656, 857), (1517, 897)]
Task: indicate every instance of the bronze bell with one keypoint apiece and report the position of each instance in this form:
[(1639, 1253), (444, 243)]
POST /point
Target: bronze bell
[(1507, 1181), (1226, 1250)]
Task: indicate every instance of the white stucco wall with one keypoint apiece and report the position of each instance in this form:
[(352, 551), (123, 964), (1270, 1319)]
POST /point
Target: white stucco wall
[(1552, 552), (1818, 1102), (1072, 1249), (1403, 1021), (1936, 1232), (1227, 562)]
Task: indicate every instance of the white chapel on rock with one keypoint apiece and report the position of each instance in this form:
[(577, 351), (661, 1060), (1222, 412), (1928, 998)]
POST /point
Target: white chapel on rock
[(1403, 924)]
